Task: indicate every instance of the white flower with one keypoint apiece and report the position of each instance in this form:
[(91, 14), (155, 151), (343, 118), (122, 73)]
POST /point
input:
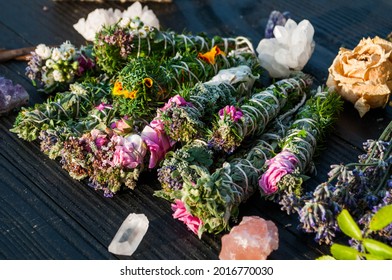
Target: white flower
[(47, 79), (124, 22), (56, 54), (43, 51), (289, 51), (49, 63), (101, 17), (68, 50), (58, 76)]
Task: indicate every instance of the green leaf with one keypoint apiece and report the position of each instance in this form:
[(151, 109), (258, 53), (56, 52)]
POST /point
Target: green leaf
[(371, 257), (348, 225), (326, 258), (382, 218), (378, 248), (342, 252)]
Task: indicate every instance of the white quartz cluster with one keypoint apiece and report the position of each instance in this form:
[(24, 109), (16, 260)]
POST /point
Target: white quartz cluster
[(289, 51), (103, 17)]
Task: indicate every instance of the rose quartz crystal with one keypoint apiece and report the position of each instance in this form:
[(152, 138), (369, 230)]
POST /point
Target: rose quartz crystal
[(253, 239)]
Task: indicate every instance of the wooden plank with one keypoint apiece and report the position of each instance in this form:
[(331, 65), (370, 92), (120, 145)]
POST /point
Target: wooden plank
[(35, 226)]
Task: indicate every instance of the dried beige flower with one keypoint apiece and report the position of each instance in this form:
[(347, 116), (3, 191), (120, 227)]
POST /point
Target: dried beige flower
[(363, 75)]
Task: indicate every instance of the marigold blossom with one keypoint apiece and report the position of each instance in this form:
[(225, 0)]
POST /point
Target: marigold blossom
[(210, 56)]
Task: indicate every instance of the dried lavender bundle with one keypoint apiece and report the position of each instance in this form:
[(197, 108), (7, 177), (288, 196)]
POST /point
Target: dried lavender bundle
[(361, 187)]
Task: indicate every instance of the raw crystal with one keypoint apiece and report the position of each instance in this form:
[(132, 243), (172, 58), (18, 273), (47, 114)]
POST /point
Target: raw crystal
[(289, 51), (253, 239), (129, 235), (11, 96), (275, 18)]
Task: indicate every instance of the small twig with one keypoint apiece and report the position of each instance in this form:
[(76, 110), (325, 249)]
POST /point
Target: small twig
[(18, 54)]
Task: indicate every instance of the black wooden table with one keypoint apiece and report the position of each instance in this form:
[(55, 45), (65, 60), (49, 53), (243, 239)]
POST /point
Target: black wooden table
[(45, 214)]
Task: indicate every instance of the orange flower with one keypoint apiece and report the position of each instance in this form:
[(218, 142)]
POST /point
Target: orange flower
[(118, 90), (148, 82), (130, 94), (210, 56)]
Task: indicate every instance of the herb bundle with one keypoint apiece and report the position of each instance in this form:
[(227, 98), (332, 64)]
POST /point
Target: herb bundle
[(228, 132), (117, 44)]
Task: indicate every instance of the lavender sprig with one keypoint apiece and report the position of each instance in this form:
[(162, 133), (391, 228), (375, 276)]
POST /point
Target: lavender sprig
[(361, 187)]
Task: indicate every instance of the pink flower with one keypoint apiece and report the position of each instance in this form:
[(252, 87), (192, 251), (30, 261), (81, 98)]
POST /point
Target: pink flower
[(180, 213), (157, 142), (130, 151), (234, 113), (122, 126), (100, 138), (103, 106), (280, 165), (177, 99)]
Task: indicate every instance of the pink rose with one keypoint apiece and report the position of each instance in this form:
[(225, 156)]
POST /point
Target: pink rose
[(130, 151), (157, 142), (122, 126), (180, 213), (282, 164)]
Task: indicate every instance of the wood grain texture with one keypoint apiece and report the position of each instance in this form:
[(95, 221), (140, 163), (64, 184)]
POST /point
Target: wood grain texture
[(45, 214)]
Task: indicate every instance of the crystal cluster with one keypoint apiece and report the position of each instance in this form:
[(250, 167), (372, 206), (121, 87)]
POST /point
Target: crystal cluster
[(11, 96), (289, 51), (135, 15), (253, 239)]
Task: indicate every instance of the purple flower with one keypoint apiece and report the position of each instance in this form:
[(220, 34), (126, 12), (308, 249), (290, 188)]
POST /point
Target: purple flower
[(100, 138), (280, 165), (84, 63), (231, 111), (130, 151)]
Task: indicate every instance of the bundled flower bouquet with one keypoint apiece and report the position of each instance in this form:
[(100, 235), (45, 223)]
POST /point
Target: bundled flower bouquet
[(140, 98)]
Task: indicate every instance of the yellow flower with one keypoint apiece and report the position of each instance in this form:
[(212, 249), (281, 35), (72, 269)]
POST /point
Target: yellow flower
[(148, 82), (363, 75), (210, 56), (118, 88)]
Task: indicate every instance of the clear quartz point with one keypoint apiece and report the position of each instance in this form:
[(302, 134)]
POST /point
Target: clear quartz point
[(129, 235)]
